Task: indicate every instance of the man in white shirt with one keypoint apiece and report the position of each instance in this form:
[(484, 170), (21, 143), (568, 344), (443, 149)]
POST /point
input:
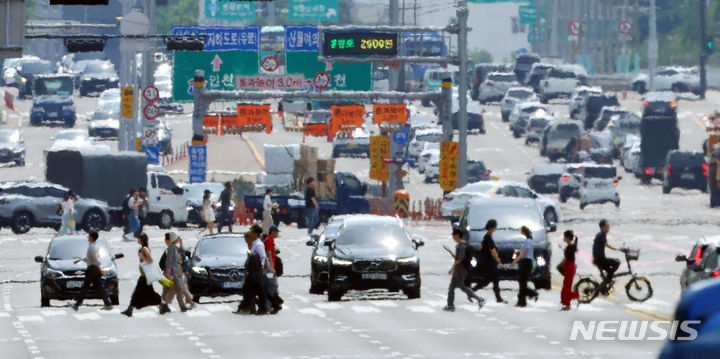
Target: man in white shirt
[(268, 206)]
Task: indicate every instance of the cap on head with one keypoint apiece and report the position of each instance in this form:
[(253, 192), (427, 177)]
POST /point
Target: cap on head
[(273, 228), (172, 236), (207, 191)]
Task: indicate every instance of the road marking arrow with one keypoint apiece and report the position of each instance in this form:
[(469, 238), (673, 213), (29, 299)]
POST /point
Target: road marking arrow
[(216, 63)]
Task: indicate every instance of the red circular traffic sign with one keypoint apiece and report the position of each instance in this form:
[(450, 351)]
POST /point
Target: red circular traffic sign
[(150, 133), (151, 111), (575, 27), (151, 93), (270, 64), (321, 80), (624, 27)]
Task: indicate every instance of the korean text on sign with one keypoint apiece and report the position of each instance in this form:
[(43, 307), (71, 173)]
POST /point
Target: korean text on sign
[(345, 116), (389, 113), (301, 38), (379, 151), (270, 82), (448, 165), (254, 115), (198, 163), (224, 38)]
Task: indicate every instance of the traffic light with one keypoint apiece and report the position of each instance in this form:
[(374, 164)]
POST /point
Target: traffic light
[(79, 2), (708, 45), (84, 45), (185, 43)]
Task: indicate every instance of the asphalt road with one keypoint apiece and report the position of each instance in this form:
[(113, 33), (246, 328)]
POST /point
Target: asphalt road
[(376, 323)]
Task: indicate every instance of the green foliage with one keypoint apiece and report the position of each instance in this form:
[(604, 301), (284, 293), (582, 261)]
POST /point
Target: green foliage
[(480, 56), (177, 12)]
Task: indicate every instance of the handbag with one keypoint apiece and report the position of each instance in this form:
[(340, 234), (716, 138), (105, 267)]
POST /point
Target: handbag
[(560, 268), (152, 272), (278, 266)]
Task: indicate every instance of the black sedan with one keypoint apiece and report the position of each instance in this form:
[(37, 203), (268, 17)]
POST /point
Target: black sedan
[(61, 279), (96, 77), (319, 258), (373, 252), (510, 214), (217, 267)]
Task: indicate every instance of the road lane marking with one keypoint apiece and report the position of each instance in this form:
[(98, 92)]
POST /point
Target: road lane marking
[(363, 309), (254, 151), (88, 316), (698, 122)]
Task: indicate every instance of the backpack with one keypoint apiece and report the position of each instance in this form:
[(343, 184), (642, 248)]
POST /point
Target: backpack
[(162, 260)]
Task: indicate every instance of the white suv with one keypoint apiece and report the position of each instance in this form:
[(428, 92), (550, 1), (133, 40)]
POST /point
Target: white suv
[(675, 79), (599, 185), (495, 86), (561, 82)]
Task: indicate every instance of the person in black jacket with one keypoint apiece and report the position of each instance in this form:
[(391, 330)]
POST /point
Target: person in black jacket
[(253, 293)]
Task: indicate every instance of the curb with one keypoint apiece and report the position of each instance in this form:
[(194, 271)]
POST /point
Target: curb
[(254, 150)]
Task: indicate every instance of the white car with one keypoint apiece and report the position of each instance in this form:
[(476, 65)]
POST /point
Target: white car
[(77, 139), (417, 144), (561, 82), (630, 153), (676, 79), (495, 86), (599, 185), (455, 202), (429, 155), (520, 114), (579, 97), (432, 172), (536, 125), (109, 100), (514, 96)]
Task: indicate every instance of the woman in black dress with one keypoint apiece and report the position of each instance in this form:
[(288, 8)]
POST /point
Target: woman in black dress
[(144, 295)]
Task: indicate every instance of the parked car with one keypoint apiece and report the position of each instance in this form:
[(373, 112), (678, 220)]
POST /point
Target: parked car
[(217, 266), (373, 252), (524, 63), (352, 144), (510, 214), (62, 279), (701, 263), (12, 146), (538, 72), (513, 97), (685, 170), (320, 253), (97, 76), (579, 97), (194, 193), (544, 177), (24, 205), (599, 185), (104, 124), (495, 86), (561, 82), (536, 125), (520, 114), (557, 139)]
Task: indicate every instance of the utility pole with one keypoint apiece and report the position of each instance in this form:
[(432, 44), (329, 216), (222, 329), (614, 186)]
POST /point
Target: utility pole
[(462, 17), (703, 48), (394, 183), (652, 46)]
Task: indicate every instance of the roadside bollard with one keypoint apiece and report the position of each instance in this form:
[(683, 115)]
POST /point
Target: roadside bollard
[(402, 203)]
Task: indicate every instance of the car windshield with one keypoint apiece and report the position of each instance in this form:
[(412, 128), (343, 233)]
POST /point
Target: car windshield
[(65, 249), (103, 115), (483, 186), (9, 136), (560, 74), (61, 86), (369, 235), (502, 78), (539, 122), (98, 68), (532, 109), (507, 217), (526, 60), (520, 94), (36, 67), (565, 131), (223, 247), (71, 136), (686, 159), (110, 95)]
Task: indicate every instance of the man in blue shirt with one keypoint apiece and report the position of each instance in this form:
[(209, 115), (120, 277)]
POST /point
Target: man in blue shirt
[(605, 264)]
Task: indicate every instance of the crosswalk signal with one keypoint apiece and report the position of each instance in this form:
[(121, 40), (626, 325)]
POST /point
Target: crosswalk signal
[(708, 48), (79, 2), (84, 45)]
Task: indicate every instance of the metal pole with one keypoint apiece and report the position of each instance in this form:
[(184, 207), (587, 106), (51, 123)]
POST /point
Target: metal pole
[(462, 16), (200, 106), (652, 46), (394, 183), (703, 54), (554, 38)]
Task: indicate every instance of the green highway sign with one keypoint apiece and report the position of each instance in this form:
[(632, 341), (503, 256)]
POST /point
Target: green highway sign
[(220, 68), (347, 76), (527, 14), (229, 10), (495, 1), (313, 10)]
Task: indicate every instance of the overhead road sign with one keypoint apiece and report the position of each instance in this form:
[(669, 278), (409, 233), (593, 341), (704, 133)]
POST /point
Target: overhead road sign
[(270, 82), (301, 38), (220, 74), (313, 10), (527, 14), (343, 76), (360, 43), (224, 38), (229, 10)]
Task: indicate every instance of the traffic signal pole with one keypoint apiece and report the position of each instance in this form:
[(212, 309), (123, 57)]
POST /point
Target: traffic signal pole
[(462, 17), (703, 48)]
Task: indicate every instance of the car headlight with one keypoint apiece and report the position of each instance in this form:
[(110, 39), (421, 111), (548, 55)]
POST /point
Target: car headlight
[(540, 261), (109, 272), (23, 80), (341, 262), (53, 273), (321, 259), (199, 270), (68, 108), (112, 79), (189, 208), (407, 260)]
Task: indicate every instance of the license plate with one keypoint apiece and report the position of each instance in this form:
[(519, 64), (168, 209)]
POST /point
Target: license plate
[(52, 114), (351, 144), (74, 284), (687, 176), (232, 285), (374, 276), (456, 213)]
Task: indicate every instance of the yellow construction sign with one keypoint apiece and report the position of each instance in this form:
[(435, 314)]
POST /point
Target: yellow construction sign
[(379, 151), (127, 99), (448, 165)]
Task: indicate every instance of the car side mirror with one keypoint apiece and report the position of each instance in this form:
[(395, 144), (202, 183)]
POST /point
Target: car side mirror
[(418, 241), (552, 227), (119, 255), (620, 178), (310, 243), (39, 259), (681, 258), (329, 243), (177, 190)]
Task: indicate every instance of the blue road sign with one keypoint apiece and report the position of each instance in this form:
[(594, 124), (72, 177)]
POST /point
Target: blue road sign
[(224, 38), (152, 153), (301, 38), (401, 137), (198, 163)]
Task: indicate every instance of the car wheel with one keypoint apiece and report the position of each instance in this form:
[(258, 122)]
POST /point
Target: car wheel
[(44, 302), (516, 134), (114, 300), (166, 219), (315, 287), (70, 123), (22, 222), (94, 221), (412, 293), (550, 216), (196, 299), (617, 204), (543, 283), (675, 88), (426, 103), (666, 188), (505, 118), (563, 198), (20, 162), (334, 294), (639, 87), (582, 205)]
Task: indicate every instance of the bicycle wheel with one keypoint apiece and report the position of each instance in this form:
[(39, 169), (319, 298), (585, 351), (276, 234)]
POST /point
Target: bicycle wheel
[(586, 289), (639, 289)]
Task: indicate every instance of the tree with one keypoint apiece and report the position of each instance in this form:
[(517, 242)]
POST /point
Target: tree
[(177, 12), (479, 56)]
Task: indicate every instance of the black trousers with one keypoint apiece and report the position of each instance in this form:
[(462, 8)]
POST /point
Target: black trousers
[(525, 269), (607, 265), (253, 292), (226, 219), (93, 276), (490, 274)]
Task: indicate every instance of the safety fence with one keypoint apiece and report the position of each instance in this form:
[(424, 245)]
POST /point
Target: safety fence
[(417, 210)]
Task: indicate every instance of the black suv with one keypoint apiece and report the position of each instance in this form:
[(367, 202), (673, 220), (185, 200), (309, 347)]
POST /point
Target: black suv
[(593, 107), (97, 76), (319, 258), (685, 170), (373, 252), (61, 279), (217, 267)]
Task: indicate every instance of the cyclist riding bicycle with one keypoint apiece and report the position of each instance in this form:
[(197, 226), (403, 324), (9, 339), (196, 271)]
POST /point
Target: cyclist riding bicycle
[(607, 266)]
